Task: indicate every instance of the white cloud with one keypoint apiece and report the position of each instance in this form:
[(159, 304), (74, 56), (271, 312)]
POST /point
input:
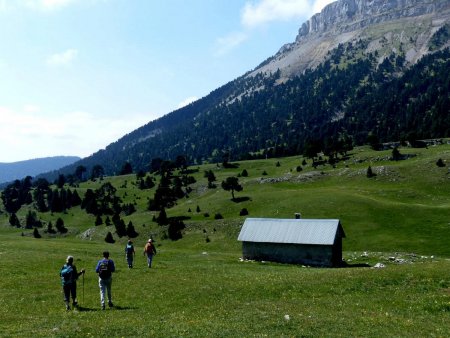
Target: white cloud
[(63, 58), (319, 5), (264, 11), (3, 5), (41, 5), (255, 14), (47, 5), (31, 108), (32, 133), (227, 43), (54, 4), (187, 101)]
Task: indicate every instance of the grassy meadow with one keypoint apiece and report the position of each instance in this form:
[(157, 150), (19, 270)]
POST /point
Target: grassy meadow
[(200, 287)]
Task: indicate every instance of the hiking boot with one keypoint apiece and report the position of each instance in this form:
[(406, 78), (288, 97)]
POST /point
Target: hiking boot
[(110, 304), (67, 307), (103, 306), (75, 304)]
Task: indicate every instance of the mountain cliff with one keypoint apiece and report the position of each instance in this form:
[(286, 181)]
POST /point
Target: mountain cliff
[(400, 26), (359, 70)]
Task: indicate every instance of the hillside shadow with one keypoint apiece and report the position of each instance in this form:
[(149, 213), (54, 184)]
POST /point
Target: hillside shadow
[(355, 265), (115, 307), (241, 199), (86, 309), (121, 308)]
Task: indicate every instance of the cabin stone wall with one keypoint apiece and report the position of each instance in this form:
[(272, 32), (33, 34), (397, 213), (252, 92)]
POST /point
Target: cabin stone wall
[(315, 255)]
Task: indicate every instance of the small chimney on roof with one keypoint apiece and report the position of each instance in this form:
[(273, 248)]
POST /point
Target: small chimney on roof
[(298, 215)]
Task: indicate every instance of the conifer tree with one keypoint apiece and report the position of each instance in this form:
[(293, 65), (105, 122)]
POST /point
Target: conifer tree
[(232, 184), (109, 238), (36, 233)]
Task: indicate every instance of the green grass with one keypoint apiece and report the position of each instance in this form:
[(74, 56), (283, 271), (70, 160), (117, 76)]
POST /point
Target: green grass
[(193, 291), (199, 288)]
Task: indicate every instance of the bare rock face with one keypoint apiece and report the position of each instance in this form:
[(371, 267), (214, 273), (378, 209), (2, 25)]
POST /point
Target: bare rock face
[(403, 26), (347, 15)]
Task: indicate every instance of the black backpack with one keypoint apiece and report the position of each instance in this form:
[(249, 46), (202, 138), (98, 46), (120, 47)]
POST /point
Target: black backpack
[(103, 270), (129, 249)]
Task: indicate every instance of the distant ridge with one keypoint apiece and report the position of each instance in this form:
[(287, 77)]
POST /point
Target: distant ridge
[(21, 169)]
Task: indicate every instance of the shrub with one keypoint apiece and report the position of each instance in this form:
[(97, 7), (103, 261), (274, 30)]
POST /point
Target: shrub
[(218, 216), (440, 163), (60, 226), (396, 156), (32, 220), (121, 229), (14, 220), (36, 233), (109, 238), (243, 212), (131, 231), (370, 173), (98, 220), (162, 218), (174, 230), (50, 229), (299, 168)]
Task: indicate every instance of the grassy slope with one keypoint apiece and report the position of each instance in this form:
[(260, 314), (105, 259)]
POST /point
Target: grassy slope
[(202, 289)]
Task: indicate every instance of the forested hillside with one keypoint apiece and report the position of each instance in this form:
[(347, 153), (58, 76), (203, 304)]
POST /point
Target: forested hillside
[(347, 100)]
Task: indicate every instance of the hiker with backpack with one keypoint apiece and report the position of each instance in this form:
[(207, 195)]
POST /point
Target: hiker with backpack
[(149, 250), (129, 253), (105, 268), (69, 276)]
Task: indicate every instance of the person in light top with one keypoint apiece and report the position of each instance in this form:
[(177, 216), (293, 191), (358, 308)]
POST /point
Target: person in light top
[(150, 251)]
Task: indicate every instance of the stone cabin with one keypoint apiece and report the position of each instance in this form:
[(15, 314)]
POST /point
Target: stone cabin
[(316, 242)]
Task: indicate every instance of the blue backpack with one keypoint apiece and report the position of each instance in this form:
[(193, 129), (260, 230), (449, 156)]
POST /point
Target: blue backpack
[(66, 274), (104, 271)]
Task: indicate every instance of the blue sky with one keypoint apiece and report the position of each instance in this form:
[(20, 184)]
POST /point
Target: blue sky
[(76, 75)]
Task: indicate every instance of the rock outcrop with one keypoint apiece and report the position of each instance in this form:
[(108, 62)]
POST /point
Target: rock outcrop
[(349, 15), (399, 26)]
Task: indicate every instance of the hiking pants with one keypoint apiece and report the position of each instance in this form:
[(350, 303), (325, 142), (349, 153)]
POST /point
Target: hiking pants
[(105, 287), (70, 289), (130, 261), (149, 260)]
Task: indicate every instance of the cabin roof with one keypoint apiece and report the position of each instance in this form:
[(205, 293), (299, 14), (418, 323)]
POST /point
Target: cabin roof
[(292, 231)]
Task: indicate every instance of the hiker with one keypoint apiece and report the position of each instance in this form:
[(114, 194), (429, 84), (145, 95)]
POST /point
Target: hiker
[(129, 253), (149, 250), (105, 268), (69, 276)]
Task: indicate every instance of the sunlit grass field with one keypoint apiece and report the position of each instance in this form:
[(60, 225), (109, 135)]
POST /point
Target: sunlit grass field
[(199, 287)]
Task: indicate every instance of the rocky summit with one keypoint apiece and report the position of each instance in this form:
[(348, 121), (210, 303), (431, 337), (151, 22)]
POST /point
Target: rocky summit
[(404, 26)]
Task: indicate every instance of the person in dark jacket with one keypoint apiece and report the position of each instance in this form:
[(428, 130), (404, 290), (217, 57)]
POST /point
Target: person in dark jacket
[(105, 267), (69, 276), (129, 253)]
